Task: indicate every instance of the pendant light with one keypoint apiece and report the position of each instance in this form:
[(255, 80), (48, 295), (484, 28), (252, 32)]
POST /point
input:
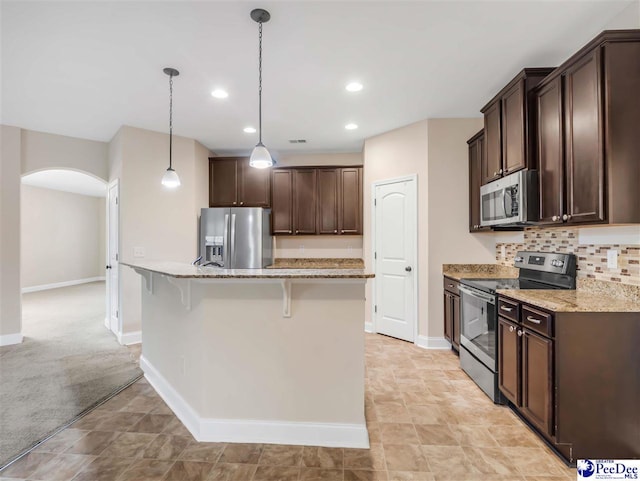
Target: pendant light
[(260, 157), (170, 178)]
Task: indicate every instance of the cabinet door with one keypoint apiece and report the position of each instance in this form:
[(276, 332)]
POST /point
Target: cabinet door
[(476, 151), (223, 185), (254, 185), (282, 202), (350, 189), (537, 381), (304, 201), (509, 360), (513, 126), (583, 140), (492, 159), (328, 201), (455, 321), (448, 318), (550, 152)]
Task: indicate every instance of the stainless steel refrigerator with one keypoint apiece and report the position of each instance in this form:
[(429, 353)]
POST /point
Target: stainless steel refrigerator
[(236, 238)]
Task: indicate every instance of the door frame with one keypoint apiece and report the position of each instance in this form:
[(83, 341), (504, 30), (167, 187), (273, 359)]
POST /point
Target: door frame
[(413, 179), (107, 320)]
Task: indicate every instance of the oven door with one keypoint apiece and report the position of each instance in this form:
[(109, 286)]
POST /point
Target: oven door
[(501, 201), (478, 323)]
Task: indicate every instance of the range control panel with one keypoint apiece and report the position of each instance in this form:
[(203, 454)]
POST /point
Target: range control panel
[(546, 262)]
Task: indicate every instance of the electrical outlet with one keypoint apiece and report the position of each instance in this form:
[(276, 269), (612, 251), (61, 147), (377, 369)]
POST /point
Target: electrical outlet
[(612, 259), (138, 252)]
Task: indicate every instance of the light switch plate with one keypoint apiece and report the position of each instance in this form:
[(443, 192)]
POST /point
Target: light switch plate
[(612, 259), (138, 252)]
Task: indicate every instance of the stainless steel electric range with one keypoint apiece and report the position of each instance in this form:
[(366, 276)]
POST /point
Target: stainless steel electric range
[(479, 316)]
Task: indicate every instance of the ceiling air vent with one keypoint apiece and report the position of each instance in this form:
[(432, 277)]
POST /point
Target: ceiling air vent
[(298, 141)]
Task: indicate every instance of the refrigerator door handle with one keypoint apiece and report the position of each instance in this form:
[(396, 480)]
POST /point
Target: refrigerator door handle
[(232, 239), (225, 244)]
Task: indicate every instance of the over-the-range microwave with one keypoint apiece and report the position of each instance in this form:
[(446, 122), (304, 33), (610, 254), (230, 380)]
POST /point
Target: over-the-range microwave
[(511, 200)]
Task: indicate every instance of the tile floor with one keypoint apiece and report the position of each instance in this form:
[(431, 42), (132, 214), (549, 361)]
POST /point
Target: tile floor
[(427, 422)]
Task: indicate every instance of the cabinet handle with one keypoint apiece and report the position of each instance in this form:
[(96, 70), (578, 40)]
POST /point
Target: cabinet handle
[(450, 285), (566, 217), (241, 203), (495, 173), (508, 309), (555, 218), (534, 320), (510, 328), (342, 231), (520, 333), (234, 203), (500, 171), (297, 231), (289, 232), (335, 231)]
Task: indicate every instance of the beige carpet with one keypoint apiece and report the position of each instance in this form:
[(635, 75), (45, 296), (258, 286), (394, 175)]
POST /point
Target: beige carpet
[(67, 364)]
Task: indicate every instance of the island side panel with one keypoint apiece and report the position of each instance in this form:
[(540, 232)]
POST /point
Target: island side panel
[(305, 368)]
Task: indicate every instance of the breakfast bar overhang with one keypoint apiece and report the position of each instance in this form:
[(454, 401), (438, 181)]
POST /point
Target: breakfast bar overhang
[(257, 355)]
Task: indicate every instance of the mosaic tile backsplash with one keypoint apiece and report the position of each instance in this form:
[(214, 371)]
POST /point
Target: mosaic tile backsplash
[(592, 259)]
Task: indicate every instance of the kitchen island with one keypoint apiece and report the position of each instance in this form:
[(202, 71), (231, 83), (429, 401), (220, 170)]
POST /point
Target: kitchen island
[(257, 355)]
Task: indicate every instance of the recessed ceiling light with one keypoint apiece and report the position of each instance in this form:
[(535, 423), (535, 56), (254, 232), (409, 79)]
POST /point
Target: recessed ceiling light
[(354, 87), (351, 126), (249, 130), (220, 94)]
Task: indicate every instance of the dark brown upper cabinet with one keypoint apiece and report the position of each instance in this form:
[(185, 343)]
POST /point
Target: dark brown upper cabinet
[(476, 152), (305, 201), (509, 126), (233, 183), (350, 201), (282, 202), (317, 200), (328, 201), (588, 134)]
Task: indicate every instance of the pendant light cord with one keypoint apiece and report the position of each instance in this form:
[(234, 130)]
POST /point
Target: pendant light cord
[(170, 119), (260, 83)]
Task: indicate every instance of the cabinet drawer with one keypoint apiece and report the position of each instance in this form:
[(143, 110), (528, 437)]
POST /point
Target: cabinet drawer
[(538, 321), (451, 285), (508, 309)]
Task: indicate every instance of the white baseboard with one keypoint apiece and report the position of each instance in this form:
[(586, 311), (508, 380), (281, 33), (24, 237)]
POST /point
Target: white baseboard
[(56, 285), (368, 327), (9, 339), (254, 431), (128, 338), (433, 342)]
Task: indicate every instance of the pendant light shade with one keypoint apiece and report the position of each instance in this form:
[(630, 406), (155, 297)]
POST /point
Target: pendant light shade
[(260, 157), (170, 178)]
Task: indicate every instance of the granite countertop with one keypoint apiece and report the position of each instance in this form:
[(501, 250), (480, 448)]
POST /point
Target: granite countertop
[(317, 263), (180, 270), (479, 271), (590, 296)]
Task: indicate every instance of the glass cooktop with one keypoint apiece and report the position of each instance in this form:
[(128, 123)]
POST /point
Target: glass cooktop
[(491, 285)]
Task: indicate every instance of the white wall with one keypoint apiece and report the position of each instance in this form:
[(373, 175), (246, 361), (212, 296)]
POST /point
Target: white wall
[(319, 246), (628, 18), (10, 304), (397, 153), (163, 222), (62, 236)]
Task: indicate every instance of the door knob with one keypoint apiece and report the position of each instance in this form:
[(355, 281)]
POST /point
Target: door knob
[(107, 267), (408, 268), (566, 217)]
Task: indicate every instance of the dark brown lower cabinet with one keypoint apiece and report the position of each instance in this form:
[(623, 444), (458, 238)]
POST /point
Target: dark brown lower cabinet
[(509, 360), (452, 313), (537, 381)]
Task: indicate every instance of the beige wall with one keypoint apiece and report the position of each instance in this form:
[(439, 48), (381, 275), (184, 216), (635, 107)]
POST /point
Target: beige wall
[(62, 236), (10, 305), (393, 154), (48, 151), (163, 222)]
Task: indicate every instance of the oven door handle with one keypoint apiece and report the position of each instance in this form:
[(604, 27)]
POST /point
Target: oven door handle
[(504, 204), (478, 295)]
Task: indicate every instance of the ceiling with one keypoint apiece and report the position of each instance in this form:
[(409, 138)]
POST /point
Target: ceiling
[(84, 69), (67, 181)]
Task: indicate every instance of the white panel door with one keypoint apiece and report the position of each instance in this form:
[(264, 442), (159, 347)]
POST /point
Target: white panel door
[(394, 257), (112, 261)]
